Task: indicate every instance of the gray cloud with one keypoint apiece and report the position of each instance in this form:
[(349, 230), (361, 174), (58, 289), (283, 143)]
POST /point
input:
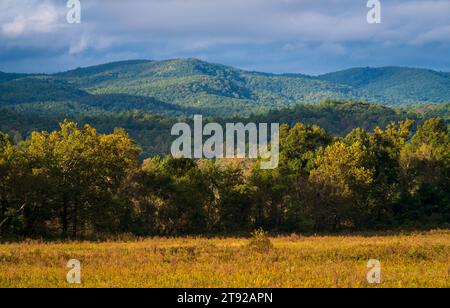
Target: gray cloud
[(307, 36)]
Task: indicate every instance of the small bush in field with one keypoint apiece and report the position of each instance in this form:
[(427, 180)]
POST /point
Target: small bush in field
[(260, 241)]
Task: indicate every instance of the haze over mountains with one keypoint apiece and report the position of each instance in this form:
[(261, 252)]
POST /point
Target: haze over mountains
[(186, 86)]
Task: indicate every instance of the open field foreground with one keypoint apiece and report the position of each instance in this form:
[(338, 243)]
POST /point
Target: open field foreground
[(413, 260)]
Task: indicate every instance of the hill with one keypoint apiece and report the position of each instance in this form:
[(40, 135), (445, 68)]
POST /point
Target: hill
[(184, 86), (7, 76), (395, 85), (216, 88), (37, 89), (49, 94)]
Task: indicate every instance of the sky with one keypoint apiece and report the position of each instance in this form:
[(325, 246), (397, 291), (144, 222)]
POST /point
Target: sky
[(279, 36)]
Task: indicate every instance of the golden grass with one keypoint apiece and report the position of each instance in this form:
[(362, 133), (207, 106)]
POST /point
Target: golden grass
[(414, 260)]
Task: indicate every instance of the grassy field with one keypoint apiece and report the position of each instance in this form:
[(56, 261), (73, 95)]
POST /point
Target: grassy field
[(412, 260)]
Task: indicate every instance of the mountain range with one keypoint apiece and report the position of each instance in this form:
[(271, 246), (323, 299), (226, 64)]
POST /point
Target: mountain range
[(186, 86)]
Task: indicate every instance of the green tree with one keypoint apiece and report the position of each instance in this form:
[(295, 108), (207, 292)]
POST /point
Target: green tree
[(84, 170), (178, 195), (425, 164), (375, 205)]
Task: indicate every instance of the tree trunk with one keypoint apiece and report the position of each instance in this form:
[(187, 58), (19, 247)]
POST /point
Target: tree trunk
[(30, 215), (75, 220), (2, 212), (64, 219)]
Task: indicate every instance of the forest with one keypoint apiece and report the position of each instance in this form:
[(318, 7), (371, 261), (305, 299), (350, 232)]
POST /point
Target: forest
[(75, 183), (151, 130)]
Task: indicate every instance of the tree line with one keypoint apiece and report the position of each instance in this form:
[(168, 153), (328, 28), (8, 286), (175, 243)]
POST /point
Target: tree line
[(76, 182), (151, 130)]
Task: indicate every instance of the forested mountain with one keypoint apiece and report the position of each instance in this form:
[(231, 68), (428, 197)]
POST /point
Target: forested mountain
[(216, 88), (186, 86), (223, 89), (38, 89), (7, 76), (395, 85)]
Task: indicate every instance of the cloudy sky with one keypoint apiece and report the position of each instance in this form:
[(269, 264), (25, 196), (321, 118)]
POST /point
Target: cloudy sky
[(304, 36)]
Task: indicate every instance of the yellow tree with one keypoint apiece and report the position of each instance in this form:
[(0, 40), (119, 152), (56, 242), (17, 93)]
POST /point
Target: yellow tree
[(340, 174)]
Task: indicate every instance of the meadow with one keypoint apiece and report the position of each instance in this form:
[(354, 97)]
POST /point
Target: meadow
[(419, 259)]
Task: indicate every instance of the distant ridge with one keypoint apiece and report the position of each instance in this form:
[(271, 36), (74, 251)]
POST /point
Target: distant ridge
[(10, 76), (396, 84), (216, 89), (101, 67)]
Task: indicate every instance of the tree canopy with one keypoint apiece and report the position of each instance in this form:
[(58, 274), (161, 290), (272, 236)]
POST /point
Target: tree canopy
[(75, 182)]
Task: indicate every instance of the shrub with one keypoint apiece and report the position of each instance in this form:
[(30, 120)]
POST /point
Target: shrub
[(260, 241)]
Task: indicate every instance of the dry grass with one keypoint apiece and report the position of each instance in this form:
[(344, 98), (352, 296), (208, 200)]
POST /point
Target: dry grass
[(414, 260)]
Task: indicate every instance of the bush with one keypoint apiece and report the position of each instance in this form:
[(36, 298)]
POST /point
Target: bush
[(260, 241)]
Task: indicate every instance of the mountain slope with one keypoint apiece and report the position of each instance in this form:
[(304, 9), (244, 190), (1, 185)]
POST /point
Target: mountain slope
[(195, 83), (45, 94), (184, 86), (226, 90), (395, 85), (37, 89), (10, 76)]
